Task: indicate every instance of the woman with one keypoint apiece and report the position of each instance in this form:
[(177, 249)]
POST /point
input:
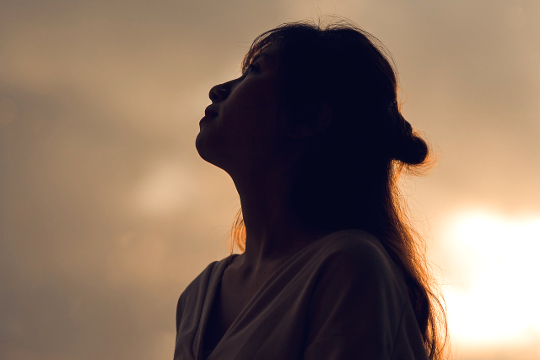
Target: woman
[(314, 141)]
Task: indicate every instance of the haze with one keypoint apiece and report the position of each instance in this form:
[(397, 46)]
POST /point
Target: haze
[(107, 212)]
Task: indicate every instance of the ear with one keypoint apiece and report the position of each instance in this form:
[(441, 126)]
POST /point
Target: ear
[(311, 120)]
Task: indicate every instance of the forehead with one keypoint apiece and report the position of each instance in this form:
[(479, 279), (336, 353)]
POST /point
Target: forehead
[(262, 55), (264, 52)]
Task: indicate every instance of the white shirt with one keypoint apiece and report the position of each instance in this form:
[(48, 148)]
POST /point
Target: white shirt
[(339, 298)]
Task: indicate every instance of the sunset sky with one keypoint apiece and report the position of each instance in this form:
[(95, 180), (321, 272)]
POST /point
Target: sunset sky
[(107, 212)]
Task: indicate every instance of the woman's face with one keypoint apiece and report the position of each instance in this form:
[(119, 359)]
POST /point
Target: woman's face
[(241, 128)]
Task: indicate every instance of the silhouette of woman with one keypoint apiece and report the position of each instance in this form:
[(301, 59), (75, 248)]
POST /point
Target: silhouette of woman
[(312, 136)]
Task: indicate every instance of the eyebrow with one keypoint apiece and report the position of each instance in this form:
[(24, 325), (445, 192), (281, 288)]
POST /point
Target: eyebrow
[(260, 55), (255, 58)]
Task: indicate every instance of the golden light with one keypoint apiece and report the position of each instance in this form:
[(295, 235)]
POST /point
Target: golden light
[(497, 300), (164, 188)]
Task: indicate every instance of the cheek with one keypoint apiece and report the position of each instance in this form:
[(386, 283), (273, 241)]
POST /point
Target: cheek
[(253, 101), (251, 126)]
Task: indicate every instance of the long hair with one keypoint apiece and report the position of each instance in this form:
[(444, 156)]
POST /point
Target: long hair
[(351, 179)]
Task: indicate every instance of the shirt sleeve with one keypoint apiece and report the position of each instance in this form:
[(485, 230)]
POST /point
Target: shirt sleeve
[(356, 306), (179, 311)]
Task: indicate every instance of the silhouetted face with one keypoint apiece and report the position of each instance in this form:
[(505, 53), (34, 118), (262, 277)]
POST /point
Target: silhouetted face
[(241, 129)]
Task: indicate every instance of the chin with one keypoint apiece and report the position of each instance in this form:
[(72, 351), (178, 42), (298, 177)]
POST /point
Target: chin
[(207, 152), (201, 148)]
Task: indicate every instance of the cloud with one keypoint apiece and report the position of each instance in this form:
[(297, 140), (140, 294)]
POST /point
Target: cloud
[(107, 211)]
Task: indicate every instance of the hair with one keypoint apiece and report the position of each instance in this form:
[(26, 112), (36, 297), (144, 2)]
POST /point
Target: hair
[(351, 179)]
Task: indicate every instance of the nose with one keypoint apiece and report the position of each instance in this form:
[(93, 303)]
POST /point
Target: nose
[(219, 92)]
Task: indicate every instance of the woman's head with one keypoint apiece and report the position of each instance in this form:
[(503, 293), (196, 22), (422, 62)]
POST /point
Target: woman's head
[(349, 71), (336, 83), (337, 86)]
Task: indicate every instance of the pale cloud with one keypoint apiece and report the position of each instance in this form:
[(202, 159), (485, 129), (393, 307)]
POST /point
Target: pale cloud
[(107, 211), (165, 187)]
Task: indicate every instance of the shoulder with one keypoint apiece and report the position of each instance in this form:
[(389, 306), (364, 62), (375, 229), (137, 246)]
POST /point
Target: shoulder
[(358, 298), (358, 254), (195, 292), (200, 279), (201, 282), (353, 266)]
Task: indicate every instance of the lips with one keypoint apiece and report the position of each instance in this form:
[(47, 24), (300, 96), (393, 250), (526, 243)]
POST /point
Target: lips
[(210, 111)]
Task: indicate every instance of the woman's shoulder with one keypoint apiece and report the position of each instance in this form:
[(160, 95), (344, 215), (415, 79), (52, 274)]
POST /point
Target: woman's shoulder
[(352, 239), (192, 298), (355, 247), (358, 300), (197, 287), (357, 258)]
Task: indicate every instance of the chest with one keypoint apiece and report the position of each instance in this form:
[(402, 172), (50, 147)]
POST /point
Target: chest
[(229, 301), (266, 318)]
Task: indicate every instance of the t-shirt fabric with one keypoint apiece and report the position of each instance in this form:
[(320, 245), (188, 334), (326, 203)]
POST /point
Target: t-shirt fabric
[(339, 298)]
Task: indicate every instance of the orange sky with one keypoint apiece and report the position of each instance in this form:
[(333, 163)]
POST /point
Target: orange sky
[(107, 212)]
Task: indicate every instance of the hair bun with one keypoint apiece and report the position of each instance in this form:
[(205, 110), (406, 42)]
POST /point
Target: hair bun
[(408, 147), (413, 150)]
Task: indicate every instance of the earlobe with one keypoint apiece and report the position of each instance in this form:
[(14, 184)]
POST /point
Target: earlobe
[(312, 120)]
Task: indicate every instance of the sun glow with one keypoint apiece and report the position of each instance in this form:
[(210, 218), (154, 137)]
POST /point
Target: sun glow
[(166, 187), (497, 301)]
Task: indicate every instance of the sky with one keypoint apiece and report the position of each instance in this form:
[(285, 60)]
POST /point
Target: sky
[(107, 212)]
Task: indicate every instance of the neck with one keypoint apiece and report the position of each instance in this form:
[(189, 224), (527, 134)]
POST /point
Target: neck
[(274, 231)]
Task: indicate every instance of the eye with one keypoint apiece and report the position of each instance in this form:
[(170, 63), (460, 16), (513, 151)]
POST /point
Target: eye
[(251, 68)]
